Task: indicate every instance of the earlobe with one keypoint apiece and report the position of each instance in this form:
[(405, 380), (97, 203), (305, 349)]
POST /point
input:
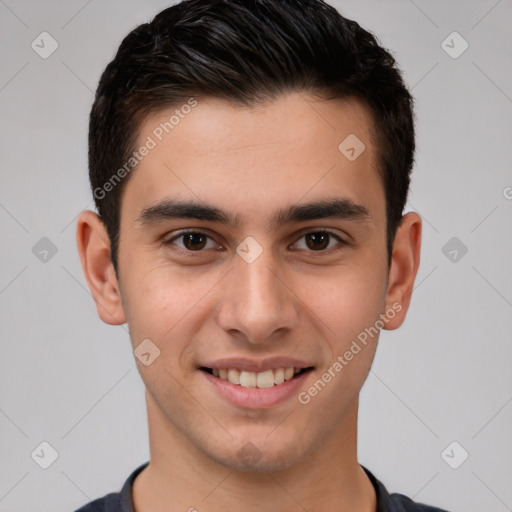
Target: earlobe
[(94, 249), (404, 267)]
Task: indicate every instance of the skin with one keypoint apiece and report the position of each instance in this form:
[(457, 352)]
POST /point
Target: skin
[(209, 303)]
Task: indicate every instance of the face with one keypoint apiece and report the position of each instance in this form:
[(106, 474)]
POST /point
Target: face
[(250, 242)]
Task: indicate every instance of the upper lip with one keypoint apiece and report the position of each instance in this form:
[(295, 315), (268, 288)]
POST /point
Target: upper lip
[(253, 365)]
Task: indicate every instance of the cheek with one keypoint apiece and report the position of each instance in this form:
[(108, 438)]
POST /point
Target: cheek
[(350, 336), (347, 300), (163, 302), (349, 303)]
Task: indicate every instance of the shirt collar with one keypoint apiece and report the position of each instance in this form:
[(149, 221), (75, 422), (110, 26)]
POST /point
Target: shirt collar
[(384, 503)]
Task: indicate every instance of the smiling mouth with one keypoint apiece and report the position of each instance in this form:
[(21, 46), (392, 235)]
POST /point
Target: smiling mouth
[(261, 380)]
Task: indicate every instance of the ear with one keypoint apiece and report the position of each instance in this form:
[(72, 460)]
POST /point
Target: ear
[(94, 249), (405, 261)]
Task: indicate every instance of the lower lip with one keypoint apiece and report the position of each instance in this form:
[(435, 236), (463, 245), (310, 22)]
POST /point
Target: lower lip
[(256, 398)]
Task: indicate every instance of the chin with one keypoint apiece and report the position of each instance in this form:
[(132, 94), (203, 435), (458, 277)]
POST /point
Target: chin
[(268, 463), (258, 456)]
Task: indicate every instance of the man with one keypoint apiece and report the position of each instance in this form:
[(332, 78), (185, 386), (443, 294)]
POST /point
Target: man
[(250, 162)]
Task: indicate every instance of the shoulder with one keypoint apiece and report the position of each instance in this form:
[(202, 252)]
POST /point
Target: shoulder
[(396, 502), (405, 504), (108, 503), (115, 501)]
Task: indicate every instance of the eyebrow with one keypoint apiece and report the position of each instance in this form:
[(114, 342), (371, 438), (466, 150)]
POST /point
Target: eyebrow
[(339, 208)]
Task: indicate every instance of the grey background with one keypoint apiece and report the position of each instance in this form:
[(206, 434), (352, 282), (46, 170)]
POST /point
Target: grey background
[(69, 380)]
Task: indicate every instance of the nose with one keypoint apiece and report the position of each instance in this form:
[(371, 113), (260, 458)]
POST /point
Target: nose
[(258, 303)]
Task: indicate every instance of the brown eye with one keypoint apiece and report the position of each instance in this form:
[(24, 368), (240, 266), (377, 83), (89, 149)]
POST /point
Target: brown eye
[(317, 241), (193, 241)]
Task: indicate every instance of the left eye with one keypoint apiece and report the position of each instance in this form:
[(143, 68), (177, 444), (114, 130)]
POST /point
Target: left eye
[(318, 241)]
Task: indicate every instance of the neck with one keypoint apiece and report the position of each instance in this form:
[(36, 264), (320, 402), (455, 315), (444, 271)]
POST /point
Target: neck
[(181, 478)]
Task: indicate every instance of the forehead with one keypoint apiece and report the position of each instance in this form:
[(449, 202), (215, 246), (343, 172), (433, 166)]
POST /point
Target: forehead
[(256, 158)]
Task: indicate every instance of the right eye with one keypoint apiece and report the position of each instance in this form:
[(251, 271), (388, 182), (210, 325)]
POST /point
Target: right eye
[(191, 241)]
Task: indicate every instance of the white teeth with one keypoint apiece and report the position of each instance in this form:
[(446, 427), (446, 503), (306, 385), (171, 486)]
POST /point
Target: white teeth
[(234, 376), (278, 376), (247, 379), (288, 373), (265, 379), (261, 380)]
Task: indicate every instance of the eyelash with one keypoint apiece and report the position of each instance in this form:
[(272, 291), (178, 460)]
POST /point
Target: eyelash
[(341, 242)]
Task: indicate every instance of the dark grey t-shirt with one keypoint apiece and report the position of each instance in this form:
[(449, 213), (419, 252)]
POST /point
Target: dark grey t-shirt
[(122, 501)]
